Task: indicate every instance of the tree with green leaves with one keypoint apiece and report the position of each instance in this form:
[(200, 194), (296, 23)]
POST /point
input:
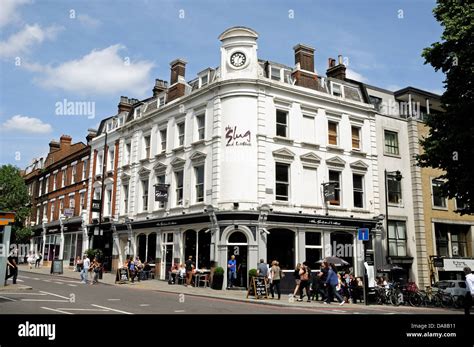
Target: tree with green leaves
[(449, 145), (14, 198)]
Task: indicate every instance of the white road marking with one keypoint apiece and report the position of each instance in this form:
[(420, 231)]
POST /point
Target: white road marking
[(113, 299), (16, 293), (178, 311), (4, 297), (72, 285), (19, 280), (144, 305), (58, 282), (36, 278), (46, 300), (111, 309), (59, 296), (81, 309), (55, 310)]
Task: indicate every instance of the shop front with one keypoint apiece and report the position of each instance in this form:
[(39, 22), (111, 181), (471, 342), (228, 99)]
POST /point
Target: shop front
[(452, 268)]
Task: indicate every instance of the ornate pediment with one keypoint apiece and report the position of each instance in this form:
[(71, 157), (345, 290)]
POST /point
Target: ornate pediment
[(359, 165), (159, 167), (198, 156), (144, 172), (284, 153), (335, 161), (178, 162), (310, 158)]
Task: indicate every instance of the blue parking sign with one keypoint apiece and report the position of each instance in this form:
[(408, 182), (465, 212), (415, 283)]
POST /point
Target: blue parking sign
[(363, 234)]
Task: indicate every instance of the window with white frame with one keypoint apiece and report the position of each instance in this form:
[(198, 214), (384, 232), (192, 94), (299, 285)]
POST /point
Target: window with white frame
[(73, 173), (394, 188), (45, 211), (199, 177), (46, 185), (163, 134), (82, 201), (332, 133), (179, 187), (55, 180), (335, 178), (358, 190), (63, 178), (355, 137), (147, 146), (391, 142), (281, 123), (282, 181), (437, 192), (336, 89), (51, 217), (111, 158), (108, 198), (162, 101), (61, 206), (180, 128), (204, 80), (128, 153), (38, 215), (275, 73), (100, 163), (40, 191), (160, 179), (313, 247), (145, 194), (200, 122), (84, 169), (72, 201), (397, 238), (125, 198), (309, 129)]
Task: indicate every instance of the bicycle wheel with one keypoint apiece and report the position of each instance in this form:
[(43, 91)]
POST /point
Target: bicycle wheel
[(415, 299)]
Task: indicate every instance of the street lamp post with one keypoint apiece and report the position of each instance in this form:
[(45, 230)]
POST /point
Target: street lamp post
[(398, 176)]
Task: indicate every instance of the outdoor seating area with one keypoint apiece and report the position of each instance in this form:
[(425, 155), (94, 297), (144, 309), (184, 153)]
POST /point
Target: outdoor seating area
[(200, 277)]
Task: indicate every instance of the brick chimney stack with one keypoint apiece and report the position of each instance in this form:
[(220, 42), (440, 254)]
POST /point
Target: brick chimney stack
[(336, 71), (53, 146), (65, 141), (160, 86), (304, 74), (177, 82)]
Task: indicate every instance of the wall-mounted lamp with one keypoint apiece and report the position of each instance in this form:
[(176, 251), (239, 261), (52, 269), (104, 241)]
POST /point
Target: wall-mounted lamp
[(265, 231), (236, 205)]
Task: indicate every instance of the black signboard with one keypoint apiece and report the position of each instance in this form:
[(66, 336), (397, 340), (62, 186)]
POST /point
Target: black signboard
[(123, 275), (369, 258), (329, 191), (438, 262), (161, 192), (258, 288), (96, 204), (57, 266)]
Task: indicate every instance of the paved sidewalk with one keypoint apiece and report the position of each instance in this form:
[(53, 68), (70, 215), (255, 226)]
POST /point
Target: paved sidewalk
[(236, 295)]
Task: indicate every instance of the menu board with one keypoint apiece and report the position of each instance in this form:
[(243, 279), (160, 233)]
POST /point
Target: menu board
[(258, 288)]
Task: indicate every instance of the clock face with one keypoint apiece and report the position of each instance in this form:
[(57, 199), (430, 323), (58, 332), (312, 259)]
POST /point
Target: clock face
[(238, 59)]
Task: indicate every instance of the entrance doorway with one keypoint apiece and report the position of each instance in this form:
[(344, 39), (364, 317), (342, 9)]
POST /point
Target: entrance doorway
[(237, 246), (167, 254)]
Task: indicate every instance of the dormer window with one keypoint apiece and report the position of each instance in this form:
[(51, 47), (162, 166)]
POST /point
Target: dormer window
[(275, 73), (162, 101), (204, 80), (336, 89), (138, 112)]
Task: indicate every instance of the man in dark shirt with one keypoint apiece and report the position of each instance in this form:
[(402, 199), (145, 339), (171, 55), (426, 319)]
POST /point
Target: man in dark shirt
[(262, 269), (189, 270), (12, 268)]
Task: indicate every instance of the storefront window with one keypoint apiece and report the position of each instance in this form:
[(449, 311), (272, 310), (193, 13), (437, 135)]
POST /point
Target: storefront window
[(313, 248), (281, 247)]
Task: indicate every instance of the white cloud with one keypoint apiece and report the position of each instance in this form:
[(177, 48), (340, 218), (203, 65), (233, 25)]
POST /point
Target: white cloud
[(22, 41), (351, 74), (26, 124), (99, 72), (88, 21), (8, 13)]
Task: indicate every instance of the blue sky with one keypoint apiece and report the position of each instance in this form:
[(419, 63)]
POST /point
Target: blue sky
[(96, 50)]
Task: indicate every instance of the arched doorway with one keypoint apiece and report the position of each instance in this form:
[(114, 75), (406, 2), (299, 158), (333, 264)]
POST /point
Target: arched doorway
[(342, 246), (141, 251), (281, 247), (151, 248), (237, 245)]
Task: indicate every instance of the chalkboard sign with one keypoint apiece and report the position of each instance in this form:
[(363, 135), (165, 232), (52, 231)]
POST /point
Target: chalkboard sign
[(123, 275), (258, 288), (57, 266)]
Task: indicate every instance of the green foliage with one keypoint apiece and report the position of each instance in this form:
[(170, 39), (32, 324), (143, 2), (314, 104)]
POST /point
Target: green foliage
[(253, 273), (91, 253), (449, 144), (219, 271), (22, 234), (13, 193)]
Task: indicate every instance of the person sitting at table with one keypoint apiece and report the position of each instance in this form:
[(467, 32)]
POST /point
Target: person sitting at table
[(174, 272)]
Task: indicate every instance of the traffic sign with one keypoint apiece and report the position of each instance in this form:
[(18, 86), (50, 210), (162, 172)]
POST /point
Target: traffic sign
[(363, 234)]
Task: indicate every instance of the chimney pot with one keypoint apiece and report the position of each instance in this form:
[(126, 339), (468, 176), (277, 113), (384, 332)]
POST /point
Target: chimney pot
[(124, 104), (178, 68), (339, 58), (65, 141)]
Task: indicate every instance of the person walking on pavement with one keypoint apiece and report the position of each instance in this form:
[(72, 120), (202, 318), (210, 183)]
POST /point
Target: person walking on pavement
[(470, 290), (12, 268), (189, 264), (276, 275), (331, 282), (304, 281), (231, 271), (85, 269)]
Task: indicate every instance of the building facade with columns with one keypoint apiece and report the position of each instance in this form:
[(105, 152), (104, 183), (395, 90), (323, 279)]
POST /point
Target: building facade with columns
[(238, 161)]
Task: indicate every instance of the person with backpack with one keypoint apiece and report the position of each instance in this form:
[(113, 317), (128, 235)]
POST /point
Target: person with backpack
[(304, 281)]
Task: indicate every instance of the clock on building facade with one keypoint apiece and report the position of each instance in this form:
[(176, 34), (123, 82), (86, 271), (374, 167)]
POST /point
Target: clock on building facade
[(238, 59)]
